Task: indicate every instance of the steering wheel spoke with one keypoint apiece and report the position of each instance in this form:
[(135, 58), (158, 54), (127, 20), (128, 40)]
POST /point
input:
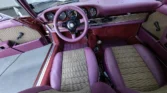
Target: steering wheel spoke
[(64, 24), (63, 29), (73, 36), (82, 21), (59, 24)]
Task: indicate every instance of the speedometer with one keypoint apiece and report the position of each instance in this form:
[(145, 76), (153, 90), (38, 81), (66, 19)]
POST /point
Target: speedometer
[(62, 16), (92, 12), (49, 16)]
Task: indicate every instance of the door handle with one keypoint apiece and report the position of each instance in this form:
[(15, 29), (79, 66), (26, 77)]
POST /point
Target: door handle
[(156, 24)]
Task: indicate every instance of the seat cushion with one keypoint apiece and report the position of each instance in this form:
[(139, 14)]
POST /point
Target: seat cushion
[(133, 68), (96, 88), (74, 70), (160, 90)]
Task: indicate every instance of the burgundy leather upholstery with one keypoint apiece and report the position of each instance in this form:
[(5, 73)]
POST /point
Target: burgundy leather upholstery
[(115, 74), (30, 45), (165, 1), (56, 71), (163, 9), (154, 44), (8, 52), (152, 63), (36, 89), (96, 88)]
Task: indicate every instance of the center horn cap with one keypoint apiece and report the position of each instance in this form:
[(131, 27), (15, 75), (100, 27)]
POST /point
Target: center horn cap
[(70, 25)]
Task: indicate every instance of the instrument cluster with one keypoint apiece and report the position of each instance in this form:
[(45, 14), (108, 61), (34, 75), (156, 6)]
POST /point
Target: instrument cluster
[(91, 12)]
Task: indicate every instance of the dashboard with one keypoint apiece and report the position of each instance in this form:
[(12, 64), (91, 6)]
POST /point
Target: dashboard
[(103, 13), (101, 9), (91, 12)]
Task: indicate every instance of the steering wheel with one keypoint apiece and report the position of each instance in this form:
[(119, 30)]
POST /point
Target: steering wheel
[(71, 24)]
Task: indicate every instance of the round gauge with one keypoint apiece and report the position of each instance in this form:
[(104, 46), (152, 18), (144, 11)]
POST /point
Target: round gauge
[(62, 16), (86, 12), (72, 13), (50, 16), (92, 12)]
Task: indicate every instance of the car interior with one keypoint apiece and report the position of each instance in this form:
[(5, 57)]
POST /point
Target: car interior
[(85, 46)]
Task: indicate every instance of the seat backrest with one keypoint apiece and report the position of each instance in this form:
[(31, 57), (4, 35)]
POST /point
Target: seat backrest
[(96, 88), (11, 29)]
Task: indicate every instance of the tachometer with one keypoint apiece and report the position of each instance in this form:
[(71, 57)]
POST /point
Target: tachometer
[(62, 16), (92, 12), (72, 13), (86, 12), (50, 16)]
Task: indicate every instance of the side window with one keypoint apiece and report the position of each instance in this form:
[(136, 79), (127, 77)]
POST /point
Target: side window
[(12, 8)]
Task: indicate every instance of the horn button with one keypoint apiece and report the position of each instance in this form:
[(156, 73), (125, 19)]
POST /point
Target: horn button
[(72, 25)]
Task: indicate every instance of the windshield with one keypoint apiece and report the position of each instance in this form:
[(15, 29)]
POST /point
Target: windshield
[(40, 5)]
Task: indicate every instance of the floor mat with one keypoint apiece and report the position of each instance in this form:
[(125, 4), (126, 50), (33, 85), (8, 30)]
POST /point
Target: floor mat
[(23, 72), (6, 62)]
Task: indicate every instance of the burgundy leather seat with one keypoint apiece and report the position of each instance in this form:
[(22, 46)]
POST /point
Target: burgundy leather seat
[(96, 88), (75, 70), (134, 69)]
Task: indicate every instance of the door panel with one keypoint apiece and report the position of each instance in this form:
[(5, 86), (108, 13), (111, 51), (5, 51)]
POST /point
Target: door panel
[(156, 24), (163, 39), (11, 30), (154, 32)]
